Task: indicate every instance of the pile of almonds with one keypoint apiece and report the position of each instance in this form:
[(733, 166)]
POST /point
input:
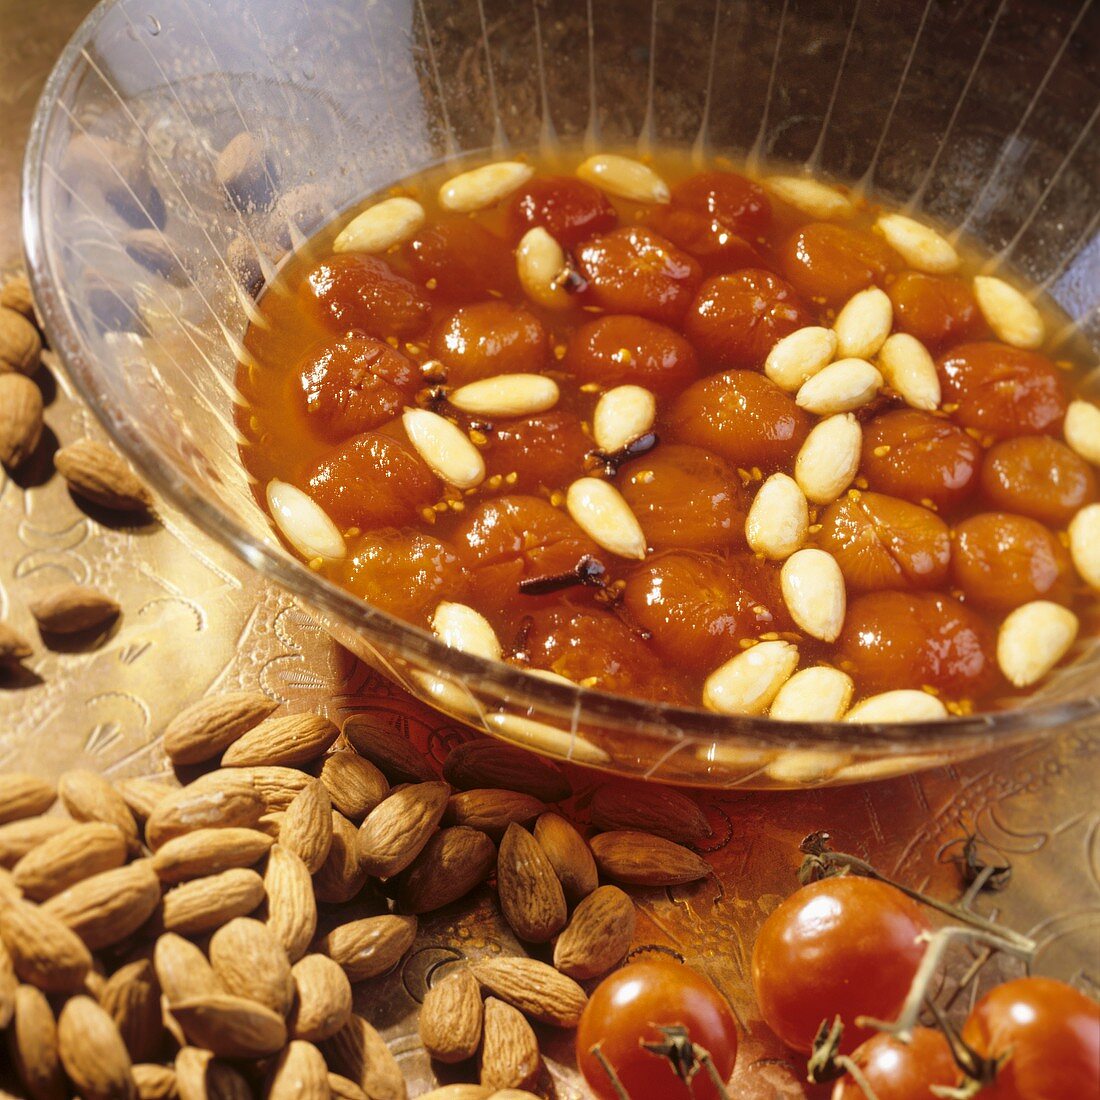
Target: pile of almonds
[(204, 940)]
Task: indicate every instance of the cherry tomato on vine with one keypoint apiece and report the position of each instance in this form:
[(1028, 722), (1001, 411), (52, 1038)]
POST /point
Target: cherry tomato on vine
[(845, 946), (630, 1006), (901, 1071), (1051, 1032)]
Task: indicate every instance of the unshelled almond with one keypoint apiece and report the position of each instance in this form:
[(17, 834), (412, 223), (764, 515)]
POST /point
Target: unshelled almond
[(322, 1003), (99, 474), (474, 1092), (200, 1077), (343, 874), (569, 855), (291, 905), (92, 1051), (76, 853), (155, 1082), (598, 935), (531, 896), (343, 1088), (229, 1026), (209, 851), (509, 1048), (230, 803), (249, 961), (451, 1016), (299, 1073), (396, 830), (389, 751), (71, 608), (20, 343), (487, 763), (284, 741), (208, 727), (182, 969), (638, 859), (23, 796), (106, 908), (16, 294), (89, 797), (131, 997), (369, 947), (354, 784), (33, 1044), (206, 903), (492, 810), (43, 949), (17, 838), (9, 983), (142, 795), (20, 419), (276, 784), (659, 810), (358, 1052), (536, 989), (306, 828), (14, 648), (451, 864)]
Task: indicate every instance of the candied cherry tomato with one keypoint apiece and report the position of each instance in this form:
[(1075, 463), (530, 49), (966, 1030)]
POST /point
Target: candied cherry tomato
[(884, 542), (717, 247), (917, 639), (569, 209), (742, 416), (939, 310), (543, 451), (628, 1009), (513, 538), (354, 384), (1039, 477), (374, 480), (1001, 390), (360, 293), (1001, 561), (697, 608), (737, 319), (634, 270), (685, 498), (732, 200), (620, 348), (1051, 1034), (489, 338), (463, 258), (901, 1071), (920, 457), (829, 263), (405, 573), (844, 946)]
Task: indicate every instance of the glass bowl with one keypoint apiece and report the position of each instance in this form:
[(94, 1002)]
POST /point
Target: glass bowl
[(143, 267)]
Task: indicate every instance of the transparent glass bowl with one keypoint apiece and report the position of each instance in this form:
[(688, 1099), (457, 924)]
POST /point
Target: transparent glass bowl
[(139, 261)]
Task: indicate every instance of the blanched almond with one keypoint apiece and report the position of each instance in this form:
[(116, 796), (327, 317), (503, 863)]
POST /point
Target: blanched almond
[(303, 522), (1033, 639), (863, 323), (506, 395), (1082, 430), (381, 226), (483, 187), (805, 767), (466, 630), (903, 705), (828, 460), (542, 267), (624, 177), (819, 694), (444, 447), (920, 246), (747, 683), (843, 386), (819, 200), (598, 509), (799, 356), (1008, 312), (778, 518), (813, 590), (1084, 544), (908, 367), (622, 415)]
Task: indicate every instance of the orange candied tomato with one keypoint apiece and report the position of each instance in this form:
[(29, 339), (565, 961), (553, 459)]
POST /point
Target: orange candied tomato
[(884, 542), (486, 339), (404, 572), (742, 416), (939, 310), (717, 247), (920, 457), (374, 480), (634, 270), (685, 498), (569, 209), (735, 320), (697, 607), (901, 1071), (356, 292), (545, 451), (829, 263), (1002, 561), (915, 640), (1002, 391), (1039, 477), (462, 260), (353, 384), (619, 348)]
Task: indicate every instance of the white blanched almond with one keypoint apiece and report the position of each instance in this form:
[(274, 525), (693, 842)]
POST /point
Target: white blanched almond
[(920, 246), (1082, 430), (1008, 312), (909, 369), (622, 415), (600, 511), (1033, 639), (842, 386), (747, 683), (813, 590), (827, 462), (622, 176), (392, 221), (303, 522), (903, 705), (483, 187), (799, 356), (444, 447), (819, 200), (467, 630), (1084, 544), (863, 324), (507, 395), (806, 767), (778, 518), (819, 694), (542, 266)]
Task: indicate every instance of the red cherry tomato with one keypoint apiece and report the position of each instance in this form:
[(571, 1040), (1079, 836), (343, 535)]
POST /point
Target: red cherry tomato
[(630, 1006), (901, 1071), (844, 946), (1052, 1034)]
